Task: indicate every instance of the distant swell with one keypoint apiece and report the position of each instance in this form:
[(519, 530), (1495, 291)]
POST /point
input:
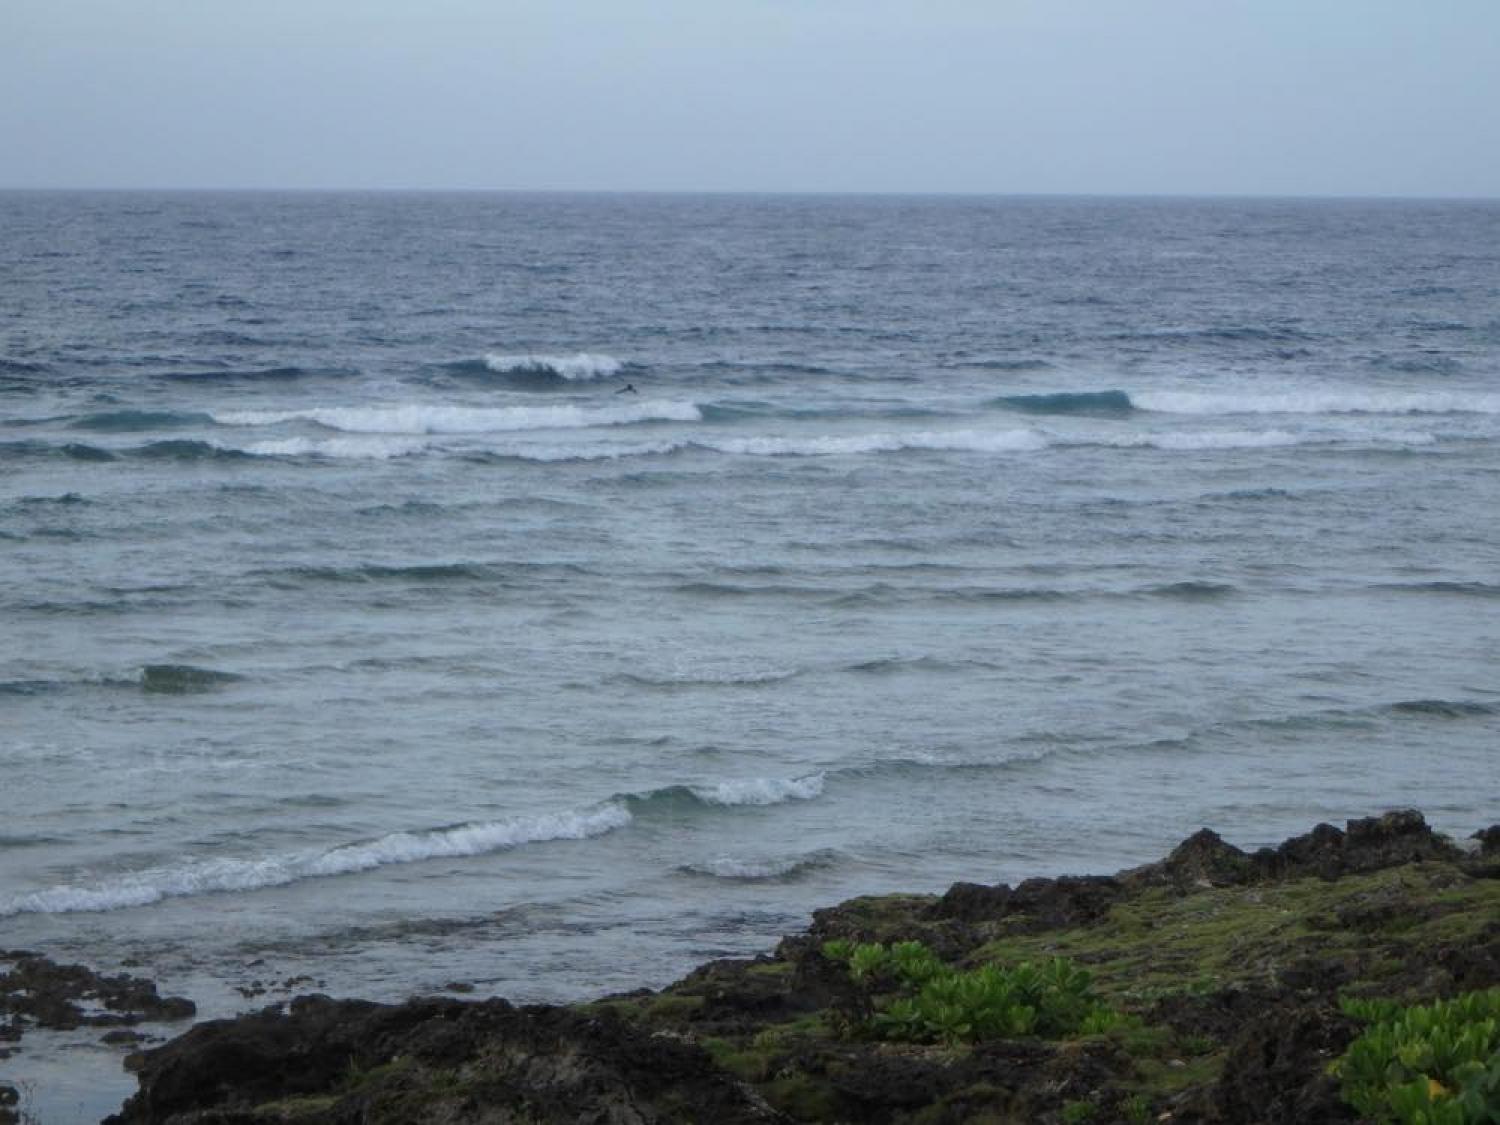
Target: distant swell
[(708, 677), (1022, 364), (1462, 589), (21, 367), (185, 450), (183, 679), (1191, 591), (130, 421), (761, 870), (240, 875), (499, 572), (1095, 403), (1445, 708), (259, 374)]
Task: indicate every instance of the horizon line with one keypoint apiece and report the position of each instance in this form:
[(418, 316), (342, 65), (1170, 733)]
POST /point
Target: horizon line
[(761, 192)]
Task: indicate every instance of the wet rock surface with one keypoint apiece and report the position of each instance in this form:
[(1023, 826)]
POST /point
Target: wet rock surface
[(1226, 967), (36, 992)]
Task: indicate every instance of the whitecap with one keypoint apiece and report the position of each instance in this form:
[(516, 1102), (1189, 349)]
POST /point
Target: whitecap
[(761, 790), (581, 367), (959, 441), (228, 875), (422, 418), (1318, 402)]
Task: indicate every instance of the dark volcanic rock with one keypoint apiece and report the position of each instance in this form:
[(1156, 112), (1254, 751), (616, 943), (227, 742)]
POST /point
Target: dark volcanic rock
[(437, 1059), (1368, 845), (734, 995), (1202, 860), (1489, 840), (1277, 1068), (37, 992), (1035, 905), (972, 902)]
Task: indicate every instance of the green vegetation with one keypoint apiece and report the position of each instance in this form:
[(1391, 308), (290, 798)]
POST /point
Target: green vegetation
[(1159, 943), (1425, 1064), (1053, 1000)]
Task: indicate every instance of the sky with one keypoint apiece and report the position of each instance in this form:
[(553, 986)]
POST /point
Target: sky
[(1240, 97)]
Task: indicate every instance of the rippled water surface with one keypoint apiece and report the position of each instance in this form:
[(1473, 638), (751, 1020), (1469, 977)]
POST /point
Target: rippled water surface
[(554, 592)]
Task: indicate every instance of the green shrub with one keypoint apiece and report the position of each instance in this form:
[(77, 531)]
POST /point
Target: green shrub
[(1136, 1109), (1053, 999), (1427, 1064)]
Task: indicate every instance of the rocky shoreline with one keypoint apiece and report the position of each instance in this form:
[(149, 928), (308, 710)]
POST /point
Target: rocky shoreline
[(1214, 979)]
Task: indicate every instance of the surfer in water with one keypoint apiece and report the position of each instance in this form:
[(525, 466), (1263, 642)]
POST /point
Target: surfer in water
[(628, 389)]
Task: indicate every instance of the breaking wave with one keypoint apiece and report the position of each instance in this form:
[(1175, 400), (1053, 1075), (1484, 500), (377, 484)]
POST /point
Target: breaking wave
[(142, 888), (958, 441), (423, 419), (753, 792), (579, 368), (364, 448)]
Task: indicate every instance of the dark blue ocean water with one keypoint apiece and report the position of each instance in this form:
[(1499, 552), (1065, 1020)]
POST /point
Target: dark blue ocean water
[(360, 623)]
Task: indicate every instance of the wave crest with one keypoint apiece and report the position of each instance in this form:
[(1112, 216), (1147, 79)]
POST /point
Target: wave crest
[(418, 419), (577, 368), (954, 441), (761, 870), (752, 792), (141, 888)]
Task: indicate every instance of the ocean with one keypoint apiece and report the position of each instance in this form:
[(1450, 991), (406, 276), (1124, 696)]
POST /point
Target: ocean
[(549, 593)]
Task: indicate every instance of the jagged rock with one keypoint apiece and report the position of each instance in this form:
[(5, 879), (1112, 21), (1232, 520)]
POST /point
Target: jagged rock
[(1489, 840), (37, 992), (437, 1059), (1037, 904), (733, 995), (1276, 1071), (1369, 844), (972, 902), (1202, 860)]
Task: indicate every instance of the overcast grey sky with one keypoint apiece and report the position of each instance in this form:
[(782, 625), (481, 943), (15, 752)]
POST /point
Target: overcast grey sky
[(1342, 97)]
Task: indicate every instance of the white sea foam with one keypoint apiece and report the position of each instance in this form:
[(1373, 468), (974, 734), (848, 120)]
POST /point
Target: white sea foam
[(762, 790), (140, 888), (726, 867), (1318, 402), (961, 441), (594, 451), (575, 368), (1258, 439), (418, 418), (372, 448)]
